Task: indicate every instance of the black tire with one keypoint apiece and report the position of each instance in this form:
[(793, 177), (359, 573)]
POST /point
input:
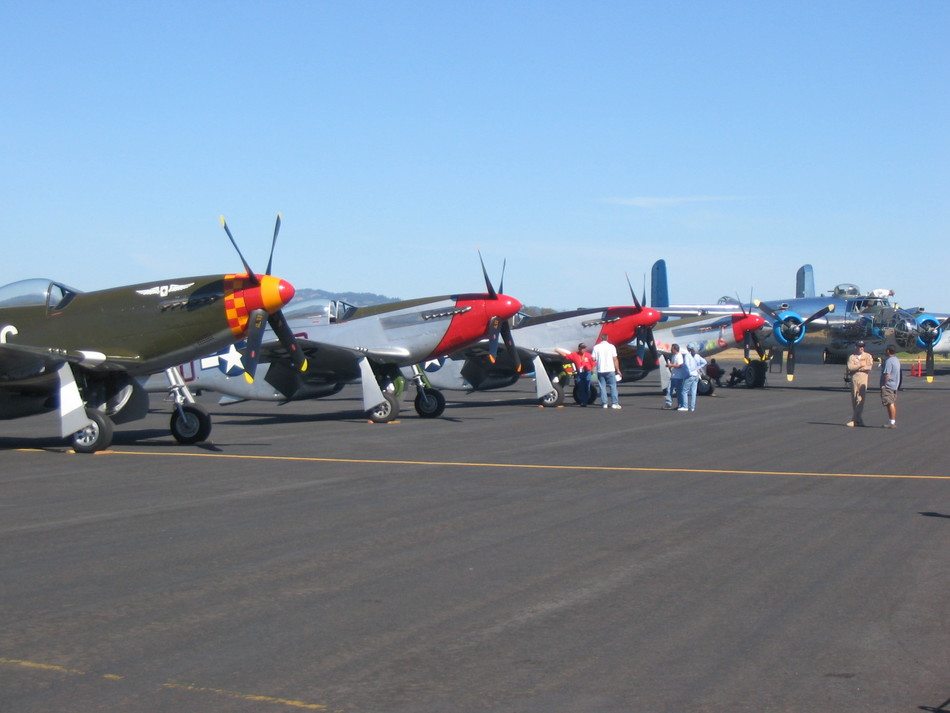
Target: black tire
[(190, 424), (755, 374), (553, 398), (430, 403), (386, 411), (95, 437), (591, 398), (706, 387)]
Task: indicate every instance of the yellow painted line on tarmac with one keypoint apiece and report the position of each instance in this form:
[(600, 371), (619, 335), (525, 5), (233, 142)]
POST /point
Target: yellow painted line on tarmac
[(175, 686), (532, 466), (42, 666), (247, 697)]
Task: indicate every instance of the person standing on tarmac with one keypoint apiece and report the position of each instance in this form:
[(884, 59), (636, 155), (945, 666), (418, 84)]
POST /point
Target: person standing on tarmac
[(695, 364), (583, 362), (675, 388), (890, 383), (608, 371), (858, 368)]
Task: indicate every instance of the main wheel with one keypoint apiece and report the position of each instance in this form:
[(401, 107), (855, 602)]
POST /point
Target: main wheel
[(386, 411), (430, 403), (96, 436), (591, 396), (553, 398), (190, 424), (755, 374), (705, 387)]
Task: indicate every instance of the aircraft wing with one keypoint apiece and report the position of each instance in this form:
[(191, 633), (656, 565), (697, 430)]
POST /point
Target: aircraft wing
[(19, 362), (335, 362), (334, 356)]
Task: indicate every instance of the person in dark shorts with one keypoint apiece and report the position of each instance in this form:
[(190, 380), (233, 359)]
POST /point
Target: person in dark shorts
[(890, 383)]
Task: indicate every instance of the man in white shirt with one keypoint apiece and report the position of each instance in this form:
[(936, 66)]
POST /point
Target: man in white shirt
[(694, 363), (608, 371)]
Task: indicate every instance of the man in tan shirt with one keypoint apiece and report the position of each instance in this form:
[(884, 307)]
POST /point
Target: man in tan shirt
[(859, 366)]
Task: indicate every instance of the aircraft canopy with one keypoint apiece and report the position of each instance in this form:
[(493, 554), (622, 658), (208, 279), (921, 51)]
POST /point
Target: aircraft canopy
[(36, 292)]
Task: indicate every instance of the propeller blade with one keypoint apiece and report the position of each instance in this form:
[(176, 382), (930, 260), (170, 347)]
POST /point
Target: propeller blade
[(930, 362), (513, 356), (746, 345), (493, 333), (741, 306), (270, 260), (646, 339), (768, 310), (286, 337), (820, 313), (250, 273), (636, 302), (501, 285), (488, 285), (790, 363), (255, 337)]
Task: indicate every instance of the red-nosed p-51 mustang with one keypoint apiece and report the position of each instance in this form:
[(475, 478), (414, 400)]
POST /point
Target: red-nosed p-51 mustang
[(88, 354), (345, 344), (539, 346)]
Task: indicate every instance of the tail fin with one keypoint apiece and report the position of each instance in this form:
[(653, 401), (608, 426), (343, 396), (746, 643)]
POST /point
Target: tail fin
[(659, 288), (805, 282)]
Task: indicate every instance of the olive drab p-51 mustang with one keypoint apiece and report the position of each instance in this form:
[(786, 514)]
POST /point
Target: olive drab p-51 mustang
[(345, 344), (87, 354)]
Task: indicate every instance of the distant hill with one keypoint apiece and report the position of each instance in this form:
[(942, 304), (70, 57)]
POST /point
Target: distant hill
[(358, 299), (365, 299)]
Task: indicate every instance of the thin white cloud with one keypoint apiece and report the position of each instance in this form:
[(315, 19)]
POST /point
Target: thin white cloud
[(660, 202)]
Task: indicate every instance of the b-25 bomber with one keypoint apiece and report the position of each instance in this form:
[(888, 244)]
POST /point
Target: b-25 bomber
[(834, 323)]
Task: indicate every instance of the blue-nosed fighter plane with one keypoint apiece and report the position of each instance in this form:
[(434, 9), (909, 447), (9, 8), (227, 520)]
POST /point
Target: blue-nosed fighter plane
[(833, 325)]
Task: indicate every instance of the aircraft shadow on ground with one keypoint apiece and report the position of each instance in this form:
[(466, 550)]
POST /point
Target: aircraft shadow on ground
[(942, 708)]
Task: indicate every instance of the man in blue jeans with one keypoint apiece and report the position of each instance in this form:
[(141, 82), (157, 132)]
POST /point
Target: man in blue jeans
[(675, 387), (608, 371), (695, 364)]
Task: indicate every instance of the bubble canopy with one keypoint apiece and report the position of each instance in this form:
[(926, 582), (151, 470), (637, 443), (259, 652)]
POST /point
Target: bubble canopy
[(36, 292)]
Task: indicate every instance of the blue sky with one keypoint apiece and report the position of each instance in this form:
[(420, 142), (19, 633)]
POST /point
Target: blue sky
[(577, 140)]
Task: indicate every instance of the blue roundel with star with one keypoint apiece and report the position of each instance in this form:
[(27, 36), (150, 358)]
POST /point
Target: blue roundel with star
[(231, 361)]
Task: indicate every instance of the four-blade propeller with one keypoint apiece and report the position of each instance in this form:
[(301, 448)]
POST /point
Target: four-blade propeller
[(644, 336), (499, 327), (928, 332), (791, 328), (259, 317)]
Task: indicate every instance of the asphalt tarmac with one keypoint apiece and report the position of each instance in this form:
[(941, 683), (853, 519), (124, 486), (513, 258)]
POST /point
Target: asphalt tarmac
[(755, 555)]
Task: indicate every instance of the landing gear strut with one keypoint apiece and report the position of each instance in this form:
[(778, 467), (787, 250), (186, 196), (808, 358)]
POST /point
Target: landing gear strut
[(190, 423), (429, 403)]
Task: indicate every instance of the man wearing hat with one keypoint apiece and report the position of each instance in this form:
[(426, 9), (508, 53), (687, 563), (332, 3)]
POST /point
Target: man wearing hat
[(583, 366), (858, 368)]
